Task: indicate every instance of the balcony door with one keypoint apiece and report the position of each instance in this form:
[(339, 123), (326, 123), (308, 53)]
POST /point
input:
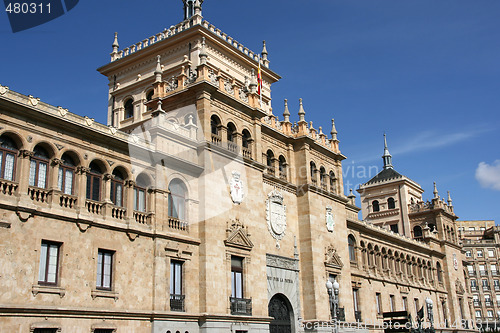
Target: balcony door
[(281, 310)]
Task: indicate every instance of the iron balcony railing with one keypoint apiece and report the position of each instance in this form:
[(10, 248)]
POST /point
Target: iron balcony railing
[(357, 316), (177, 302), (241, 306)]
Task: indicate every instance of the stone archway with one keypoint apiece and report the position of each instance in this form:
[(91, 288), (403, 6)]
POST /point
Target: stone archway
[(281, 310)]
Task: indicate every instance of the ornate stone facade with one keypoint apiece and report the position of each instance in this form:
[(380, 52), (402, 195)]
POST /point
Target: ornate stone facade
[(140, 226)]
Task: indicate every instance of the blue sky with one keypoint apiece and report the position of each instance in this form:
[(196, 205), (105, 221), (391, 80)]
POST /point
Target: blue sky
[(425, 72)]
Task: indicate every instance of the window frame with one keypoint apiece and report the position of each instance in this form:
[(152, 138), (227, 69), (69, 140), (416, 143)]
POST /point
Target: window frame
[(39, 160), (174, 278), (116, 184), (92, 177), (100, 284), (61, 177), (237, 275), (4, 151), (46, 260), (138, 189)]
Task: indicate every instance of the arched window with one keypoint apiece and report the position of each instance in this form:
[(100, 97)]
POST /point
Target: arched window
[(8, 157), (376, 206), (231, 132), (332, 182), (282, 167), (391, 204), (129, 108), (66, 175), (352, 243), (417, 231), (140, 193), (245, 142), (214, 125), (94, 178), (313, 171), (38, 167), (149, 97), (322, 177), (439, 273), (270, 162), (177, 200), (116, 193)]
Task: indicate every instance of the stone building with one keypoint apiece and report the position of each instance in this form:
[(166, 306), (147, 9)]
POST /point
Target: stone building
[(196, 210), (481, 241)]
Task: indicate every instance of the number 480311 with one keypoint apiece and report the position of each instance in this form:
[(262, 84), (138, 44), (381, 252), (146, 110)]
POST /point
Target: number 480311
[(27, 8)]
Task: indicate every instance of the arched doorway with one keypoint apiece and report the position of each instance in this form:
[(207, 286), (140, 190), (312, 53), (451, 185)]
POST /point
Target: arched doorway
[(281, 311)]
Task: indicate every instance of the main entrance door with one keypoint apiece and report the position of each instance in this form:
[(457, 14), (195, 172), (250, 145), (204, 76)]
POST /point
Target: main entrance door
[(280, 310)]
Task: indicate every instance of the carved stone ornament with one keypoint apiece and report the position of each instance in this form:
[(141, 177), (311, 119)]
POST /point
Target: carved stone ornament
[(89, 121), (330, 221), (228, 86), (134, 138), (171, 85), (59, 147), (112, 130), (332, 258), (62, 111), (455, 262), (276, 215), (459, 287), (3, 89), (238, 236), (34, 101), (243, 95), (237, 188)]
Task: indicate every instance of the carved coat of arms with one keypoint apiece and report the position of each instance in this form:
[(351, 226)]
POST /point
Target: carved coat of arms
[(276, 215), (236, 187), (330, 221), (455, 262)]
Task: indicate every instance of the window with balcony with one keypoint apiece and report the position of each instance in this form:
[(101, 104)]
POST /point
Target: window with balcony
[(129, 108), (270, 162), (246, 141), (39, 164), (282, 167), (66, 175), (140, 187), (94, 180), (239, 304), (176, 290), (116, 190), (177, 200), (332, 182), (313, 171), (8, 158), (49, 263), (104, 269), (215, 128), (322, 178)]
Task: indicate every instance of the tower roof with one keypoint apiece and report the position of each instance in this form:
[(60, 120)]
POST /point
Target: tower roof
[(386, 174)]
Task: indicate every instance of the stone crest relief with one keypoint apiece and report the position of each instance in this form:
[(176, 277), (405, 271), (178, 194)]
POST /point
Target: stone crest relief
[(236, 187), (332, 258), (455, 262), (276, 216), (330, 221), (238, 236)]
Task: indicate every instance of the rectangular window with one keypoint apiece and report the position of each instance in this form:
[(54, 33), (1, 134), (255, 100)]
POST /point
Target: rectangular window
[(65, 180), (473, 283), (104, 269), (378, 300), (405, 303), (478, 313), (355, 299), (49, 263), (394, 228), (175, 277), (116, 193), (102, 330), (7, 161), (472, 228), (417, 305), (468, 254), (38, 173), (496, 283), (176, 290), (485, 283), (490, 313), (93, 187), (45, 330), (480, 253), (491, 253), (236, 277), (393, 303)]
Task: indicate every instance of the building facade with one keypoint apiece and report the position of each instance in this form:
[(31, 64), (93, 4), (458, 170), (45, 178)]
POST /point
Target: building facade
[(196, 210), (481, 242)]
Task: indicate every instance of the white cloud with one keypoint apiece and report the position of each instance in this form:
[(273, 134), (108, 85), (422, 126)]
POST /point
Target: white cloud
[(489, 175)]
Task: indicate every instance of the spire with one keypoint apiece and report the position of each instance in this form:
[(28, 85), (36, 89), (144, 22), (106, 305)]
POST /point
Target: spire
[(435, 192), (352, 197), (450, 203), (115, 43), (286, 113), (302, 113), (264, 51), (203, 52), (334, 130), (158, 70), (387, 157)]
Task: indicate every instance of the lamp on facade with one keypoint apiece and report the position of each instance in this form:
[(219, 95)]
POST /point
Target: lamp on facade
[(429, 304), (333, 295)]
